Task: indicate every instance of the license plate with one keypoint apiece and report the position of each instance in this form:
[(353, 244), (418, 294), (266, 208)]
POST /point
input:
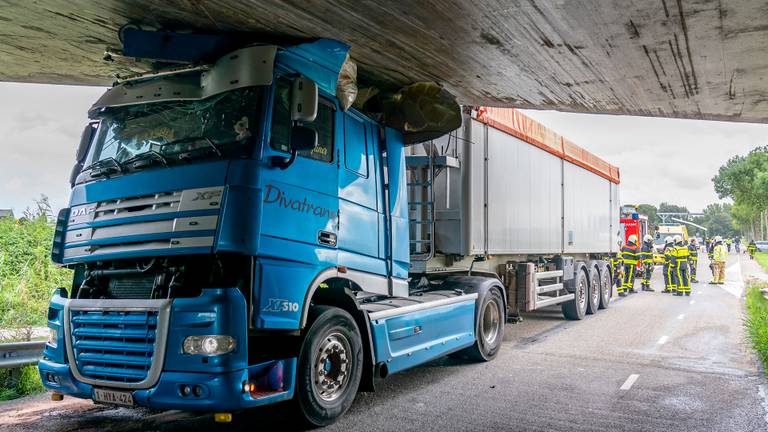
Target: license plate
[(113, 397)]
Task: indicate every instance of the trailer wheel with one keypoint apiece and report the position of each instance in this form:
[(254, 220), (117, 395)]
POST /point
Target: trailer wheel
[(489, 328), (606, 287), (577, 308), (330, 366), (593, 301)]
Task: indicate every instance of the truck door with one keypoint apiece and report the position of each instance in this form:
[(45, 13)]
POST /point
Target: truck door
[(300, 203), (360, 222)]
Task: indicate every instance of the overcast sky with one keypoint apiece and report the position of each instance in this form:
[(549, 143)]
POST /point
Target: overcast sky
[(660, 159)]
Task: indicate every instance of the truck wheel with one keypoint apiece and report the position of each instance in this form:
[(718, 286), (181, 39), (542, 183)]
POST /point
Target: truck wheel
[(330, 366), (606, 288), (577, 308), (593, 301), (489, 328)]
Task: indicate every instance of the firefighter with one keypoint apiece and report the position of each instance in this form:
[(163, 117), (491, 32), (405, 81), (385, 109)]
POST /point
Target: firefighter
[(710, 249), (630, 255), (728, 243), (693, 260), (719, 256), (646, 255), (752, 248), (670, 277), (616, 266), (681, 267)]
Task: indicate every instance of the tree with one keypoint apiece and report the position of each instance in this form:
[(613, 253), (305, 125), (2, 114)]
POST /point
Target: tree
[(745, 180), (671, 208), (650, 211)]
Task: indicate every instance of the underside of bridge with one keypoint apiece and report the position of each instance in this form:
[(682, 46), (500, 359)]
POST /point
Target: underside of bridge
[(702, 59)]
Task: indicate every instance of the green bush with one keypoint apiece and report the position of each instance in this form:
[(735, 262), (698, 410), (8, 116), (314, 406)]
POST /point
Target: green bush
[(757, 321), (27, 275), (22, 382)]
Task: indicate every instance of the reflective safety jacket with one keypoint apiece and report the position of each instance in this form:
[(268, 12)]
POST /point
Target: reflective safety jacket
[(670, 258), (720, 253), (630, 254), (681, 253), (646, 253), (752, 247), (694, 252)]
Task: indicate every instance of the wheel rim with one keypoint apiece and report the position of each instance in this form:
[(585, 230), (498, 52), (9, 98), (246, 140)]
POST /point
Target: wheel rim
[(332, 363), (606, 285), (595, 292), (582, 294), (491, 321)]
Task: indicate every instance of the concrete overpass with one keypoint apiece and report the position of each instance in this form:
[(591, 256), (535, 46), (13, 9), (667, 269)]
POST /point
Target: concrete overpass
[(702, 59)]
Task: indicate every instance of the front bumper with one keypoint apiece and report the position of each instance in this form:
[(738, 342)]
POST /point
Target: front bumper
[(221, 391)]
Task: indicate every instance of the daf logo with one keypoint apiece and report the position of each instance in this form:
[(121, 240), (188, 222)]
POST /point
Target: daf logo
[(206, 195), (83, 211)]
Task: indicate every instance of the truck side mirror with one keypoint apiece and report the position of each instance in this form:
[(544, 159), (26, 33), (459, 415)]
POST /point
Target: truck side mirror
[(303, 138), (303, 100), (82, 150), (85, 141)]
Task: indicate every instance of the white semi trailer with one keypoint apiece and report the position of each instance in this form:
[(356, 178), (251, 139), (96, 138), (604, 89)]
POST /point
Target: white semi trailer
[(505, 196)]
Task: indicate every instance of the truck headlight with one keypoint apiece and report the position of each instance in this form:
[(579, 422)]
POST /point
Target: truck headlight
[(53, 337), (209, 345)]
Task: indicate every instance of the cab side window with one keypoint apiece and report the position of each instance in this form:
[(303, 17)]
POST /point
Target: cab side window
[(281, 124)]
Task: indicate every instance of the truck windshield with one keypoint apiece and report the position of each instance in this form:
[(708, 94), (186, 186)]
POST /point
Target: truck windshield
[(167, 133)]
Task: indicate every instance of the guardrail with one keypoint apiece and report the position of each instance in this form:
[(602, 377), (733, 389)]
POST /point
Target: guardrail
[(17, 354)]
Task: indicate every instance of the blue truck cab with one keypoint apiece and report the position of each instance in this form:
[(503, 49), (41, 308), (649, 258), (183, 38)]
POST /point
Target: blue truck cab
[(238, 239)]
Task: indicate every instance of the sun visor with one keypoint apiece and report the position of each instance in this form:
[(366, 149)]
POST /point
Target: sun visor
[(246, 67)]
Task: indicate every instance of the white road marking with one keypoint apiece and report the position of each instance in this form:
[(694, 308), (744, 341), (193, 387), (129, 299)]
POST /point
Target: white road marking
[(681, 316), (663, 340), (698, 292), (630, 380), (692, 302)]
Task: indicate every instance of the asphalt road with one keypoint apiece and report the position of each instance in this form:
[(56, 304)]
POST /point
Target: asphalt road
[(651, 362)]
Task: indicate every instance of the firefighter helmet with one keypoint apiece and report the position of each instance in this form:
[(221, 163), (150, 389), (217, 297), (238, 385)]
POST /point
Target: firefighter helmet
[(678, 238), (668, 239), (648, 238), (632, 238)]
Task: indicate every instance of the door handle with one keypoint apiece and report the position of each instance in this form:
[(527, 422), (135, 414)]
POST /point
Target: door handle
[(326, 238)]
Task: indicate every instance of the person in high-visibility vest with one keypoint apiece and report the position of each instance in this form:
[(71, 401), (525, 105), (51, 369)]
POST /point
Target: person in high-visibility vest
[(630, 255), (719, 256), (681, 267), (646, 255), (693, 261), (728, 243), (670, 275), (616, 268), (752, 248)]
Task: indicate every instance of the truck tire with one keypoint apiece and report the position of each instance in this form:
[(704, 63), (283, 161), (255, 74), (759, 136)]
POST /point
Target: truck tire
[(330, 366), (577, 308), (593, 300), (489, 328), (606, 287)]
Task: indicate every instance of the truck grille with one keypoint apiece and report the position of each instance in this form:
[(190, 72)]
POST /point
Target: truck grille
[(114, 346)]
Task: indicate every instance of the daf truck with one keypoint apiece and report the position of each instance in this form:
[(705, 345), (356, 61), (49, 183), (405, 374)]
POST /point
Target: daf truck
[(238, 239)]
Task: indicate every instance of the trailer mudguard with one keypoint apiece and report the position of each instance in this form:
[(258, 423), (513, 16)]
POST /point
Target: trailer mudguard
[(570, 284), (475, 284)]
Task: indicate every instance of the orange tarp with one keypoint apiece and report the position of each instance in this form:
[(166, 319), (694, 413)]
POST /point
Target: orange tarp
[(525, 128)]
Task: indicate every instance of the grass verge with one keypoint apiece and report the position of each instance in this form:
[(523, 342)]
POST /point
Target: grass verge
[(757, 321), (762, 259), (20, 382)]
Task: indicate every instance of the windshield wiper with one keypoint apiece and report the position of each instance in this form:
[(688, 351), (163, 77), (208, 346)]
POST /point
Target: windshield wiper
[(105, 167), (149, 155)]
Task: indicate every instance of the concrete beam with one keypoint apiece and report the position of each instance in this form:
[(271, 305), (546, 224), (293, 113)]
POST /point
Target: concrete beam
[(704, 59)]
